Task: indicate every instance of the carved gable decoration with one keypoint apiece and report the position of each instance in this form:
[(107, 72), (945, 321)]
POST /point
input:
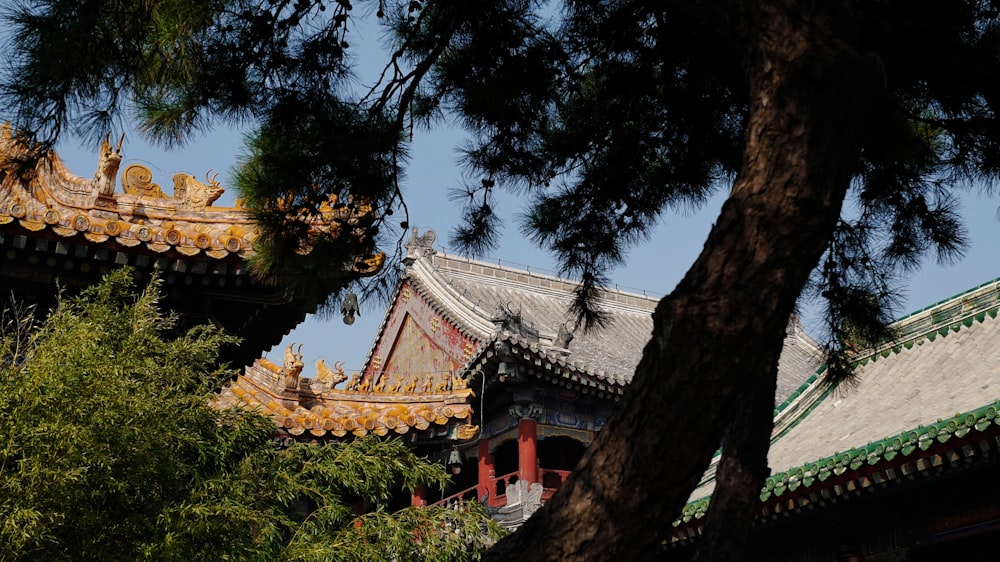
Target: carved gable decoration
[(417, 340), (415, 351)]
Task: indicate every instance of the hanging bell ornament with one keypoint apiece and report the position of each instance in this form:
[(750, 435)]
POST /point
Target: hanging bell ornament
[(349, 308)]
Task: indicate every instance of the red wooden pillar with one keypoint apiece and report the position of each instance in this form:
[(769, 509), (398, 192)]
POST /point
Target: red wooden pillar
[(527, 450), (486, 486), (420, 495)]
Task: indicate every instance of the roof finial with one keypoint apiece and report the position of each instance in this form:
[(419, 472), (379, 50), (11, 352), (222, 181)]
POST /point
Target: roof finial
[(420, 246), (564, 336), (107, 166)]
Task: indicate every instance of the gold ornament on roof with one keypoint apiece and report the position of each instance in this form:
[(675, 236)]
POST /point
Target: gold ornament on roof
[(293, 367), (354, 382), (110, 158), (138, 180), (365, 385), (445, 384), (318, 410), (411, 384), (369, 265), (40, 194), (195, 194), (188, 191), (466, 431), (329, 376)]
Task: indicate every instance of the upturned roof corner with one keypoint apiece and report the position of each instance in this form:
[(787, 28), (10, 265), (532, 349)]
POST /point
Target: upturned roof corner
[(60, 228)]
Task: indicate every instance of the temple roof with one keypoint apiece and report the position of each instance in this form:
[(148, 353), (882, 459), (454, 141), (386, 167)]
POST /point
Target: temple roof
[(947, 366), (528, 313), (48, 197), (60, 229), (935, 387), (314, 407)]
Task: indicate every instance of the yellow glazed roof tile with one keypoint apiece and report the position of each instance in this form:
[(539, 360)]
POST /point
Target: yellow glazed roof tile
[(129, 210), (314, 405)]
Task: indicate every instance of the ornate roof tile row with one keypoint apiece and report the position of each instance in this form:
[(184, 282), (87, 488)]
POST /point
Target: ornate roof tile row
[(48, 197), (315, 405), (550, 365), (863, 461), (882, 451), (39, 194)]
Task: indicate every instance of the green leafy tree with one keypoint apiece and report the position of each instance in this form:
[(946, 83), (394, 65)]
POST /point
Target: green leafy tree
[(111, 450), (605, 115)]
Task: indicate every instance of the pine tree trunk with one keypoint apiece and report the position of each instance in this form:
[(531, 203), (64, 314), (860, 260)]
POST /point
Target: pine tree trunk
[(716, 339), (740, 475)]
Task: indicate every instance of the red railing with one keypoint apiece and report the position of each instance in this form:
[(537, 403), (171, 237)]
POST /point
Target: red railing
[(552, 480), (496, 488), (468, 494)]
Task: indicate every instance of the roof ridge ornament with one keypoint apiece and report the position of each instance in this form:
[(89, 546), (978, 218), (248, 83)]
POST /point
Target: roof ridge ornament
[(108, 162), (193, 193), (328, 377), (290, 371), (506, 318), (420, 246), (565, 335)]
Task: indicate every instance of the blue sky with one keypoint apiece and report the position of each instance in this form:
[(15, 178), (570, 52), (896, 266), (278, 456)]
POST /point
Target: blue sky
[(655, 266)]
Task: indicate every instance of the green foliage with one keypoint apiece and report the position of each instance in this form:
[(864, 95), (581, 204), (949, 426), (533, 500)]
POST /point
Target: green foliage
[(431, 534), (111, 451), (319, 142)]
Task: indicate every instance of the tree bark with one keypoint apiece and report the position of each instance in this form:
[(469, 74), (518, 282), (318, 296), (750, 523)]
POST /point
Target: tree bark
[(739, 476), (718, 336)]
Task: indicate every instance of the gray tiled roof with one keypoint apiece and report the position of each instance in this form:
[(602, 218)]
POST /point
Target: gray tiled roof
[(954, 373), (472, 293), (945, 362)]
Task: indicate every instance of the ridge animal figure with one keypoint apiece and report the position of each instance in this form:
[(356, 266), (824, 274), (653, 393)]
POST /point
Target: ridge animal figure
[(107, 166), (293, 367), (354, 382), (326, 375), (411, 385), (445, 384), (196, 194)]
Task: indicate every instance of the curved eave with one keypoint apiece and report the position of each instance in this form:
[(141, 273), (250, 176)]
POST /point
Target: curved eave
[(957, 443), (468, 317), (316, 409), (946, 319), (537, 363), (52, 202)]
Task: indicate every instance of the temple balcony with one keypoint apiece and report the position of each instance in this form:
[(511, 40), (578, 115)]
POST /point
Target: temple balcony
[(509, 498)]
